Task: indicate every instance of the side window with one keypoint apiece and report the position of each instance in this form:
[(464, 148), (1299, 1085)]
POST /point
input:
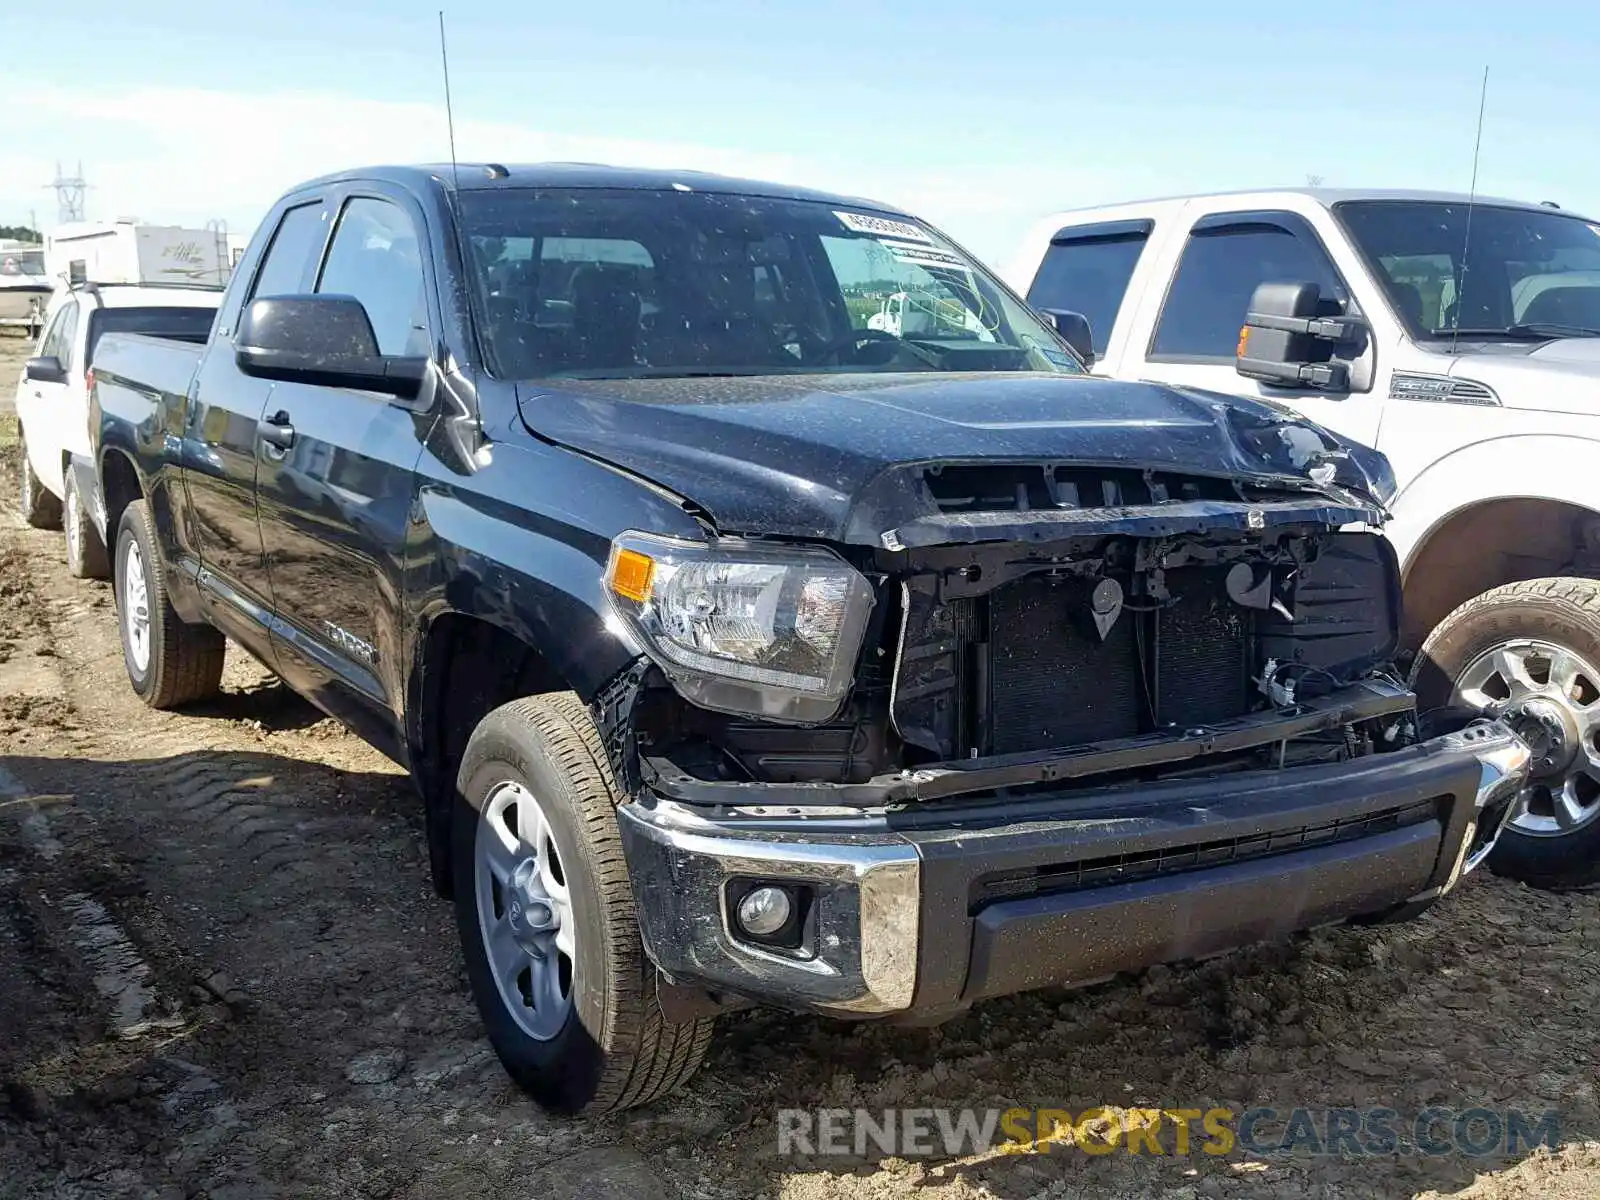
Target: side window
[(1088, 275), (54, 343), (294, 245), (69, 335), (1219, 271), (375, 258)]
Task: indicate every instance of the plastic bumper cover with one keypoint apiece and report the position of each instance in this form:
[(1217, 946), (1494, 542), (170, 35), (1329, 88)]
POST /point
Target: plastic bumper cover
[(930, 907)]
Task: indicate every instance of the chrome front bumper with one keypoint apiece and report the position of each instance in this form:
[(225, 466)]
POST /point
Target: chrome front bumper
[(906, 914)]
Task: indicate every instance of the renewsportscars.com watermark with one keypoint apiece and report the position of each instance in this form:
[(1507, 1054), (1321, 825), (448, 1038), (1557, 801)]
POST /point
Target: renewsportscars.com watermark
[(1339, 1132)]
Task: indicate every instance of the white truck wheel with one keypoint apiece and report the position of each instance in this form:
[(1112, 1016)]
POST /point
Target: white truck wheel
[(1530, 652)]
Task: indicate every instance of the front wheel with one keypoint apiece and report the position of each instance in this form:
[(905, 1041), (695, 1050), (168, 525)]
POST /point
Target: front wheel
[(169, 662), (546, 917), (1530, 653)]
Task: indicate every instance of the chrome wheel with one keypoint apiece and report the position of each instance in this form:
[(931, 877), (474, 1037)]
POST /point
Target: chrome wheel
[(524, 910), (136, 607), (1551, 697)]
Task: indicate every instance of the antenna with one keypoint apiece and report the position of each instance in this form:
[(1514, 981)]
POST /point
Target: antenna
[(1472, 200), (449, 110)]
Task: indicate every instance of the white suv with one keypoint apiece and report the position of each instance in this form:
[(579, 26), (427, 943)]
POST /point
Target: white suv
[(53, 397)]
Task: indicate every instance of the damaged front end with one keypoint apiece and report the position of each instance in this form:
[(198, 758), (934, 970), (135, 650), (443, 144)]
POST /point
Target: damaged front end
[(1073, 694)]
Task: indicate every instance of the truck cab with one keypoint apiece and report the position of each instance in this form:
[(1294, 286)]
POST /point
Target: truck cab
[(1460, 336)]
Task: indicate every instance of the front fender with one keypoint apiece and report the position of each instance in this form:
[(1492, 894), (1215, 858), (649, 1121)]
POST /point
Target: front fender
[(521, 543), (1526, 467)]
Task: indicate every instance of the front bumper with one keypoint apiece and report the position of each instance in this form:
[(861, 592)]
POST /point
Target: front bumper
[(926, 908)]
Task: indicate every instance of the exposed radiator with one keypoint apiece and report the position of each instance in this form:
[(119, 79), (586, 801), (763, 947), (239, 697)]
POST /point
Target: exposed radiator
[(1053, 682)]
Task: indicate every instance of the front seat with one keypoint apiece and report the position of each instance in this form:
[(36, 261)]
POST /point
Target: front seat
[(605, 318)]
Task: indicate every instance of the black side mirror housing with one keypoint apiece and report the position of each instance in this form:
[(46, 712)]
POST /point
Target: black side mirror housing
[(1074, 330), (322, 339), (46, 369), (1291, 339)]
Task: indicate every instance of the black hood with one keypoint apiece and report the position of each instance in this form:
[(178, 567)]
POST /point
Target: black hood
[(839, 457)]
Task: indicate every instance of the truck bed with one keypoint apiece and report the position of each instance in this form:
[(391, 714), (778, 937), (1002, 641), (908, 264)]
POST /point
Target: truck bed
[(157, 367)]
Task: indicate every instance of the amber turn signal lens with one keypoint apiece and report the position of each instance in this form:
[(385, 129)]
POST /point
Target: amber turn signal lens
[(631, 573), (1244, 342)]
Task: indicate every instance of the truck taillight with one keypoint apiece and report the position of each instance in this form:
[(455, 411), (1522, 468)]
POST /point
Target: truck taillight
[(88, 382)]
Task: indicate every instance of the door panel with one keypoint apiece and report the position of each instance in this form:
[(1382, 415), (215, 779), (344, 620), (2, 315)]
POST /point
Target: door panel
[(42, 407), (335, 510), (335, 502), (223, 447)]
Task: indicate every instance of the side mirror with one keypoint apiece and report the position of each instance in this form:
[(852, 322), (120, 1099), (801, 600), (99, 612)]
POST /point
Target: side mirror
[(1290, 339), (1074, 330), (326, 340), (47, 369)]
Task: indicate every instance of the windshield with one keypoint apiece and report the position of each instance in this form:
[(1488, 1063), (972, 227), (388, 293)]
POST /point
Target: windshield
[(15, 264), (1525, 272), (612, 283)]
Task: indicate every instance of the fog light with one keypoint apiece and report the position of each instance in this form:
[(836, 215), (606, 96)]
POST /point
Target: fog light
[(764, 911)]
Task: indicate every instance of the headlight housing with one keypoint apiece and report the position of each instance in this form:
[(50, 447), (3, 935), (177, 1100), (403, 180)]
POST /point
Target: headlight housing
[(744, 628)]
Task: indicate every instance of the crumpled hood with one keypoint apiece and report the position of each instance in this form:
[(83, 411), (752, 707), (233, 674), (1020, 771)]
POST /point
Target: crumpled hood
[(1559, 376), (838, 457)]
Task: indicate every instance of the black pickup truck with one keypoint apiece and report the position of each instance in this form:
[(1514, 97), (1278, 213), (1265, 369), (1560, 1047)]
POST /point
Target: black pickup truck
[(769, 608)]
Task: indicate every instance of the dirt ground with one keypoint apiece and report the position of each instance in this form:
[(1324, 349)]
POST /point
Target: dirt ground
[(223, 975)]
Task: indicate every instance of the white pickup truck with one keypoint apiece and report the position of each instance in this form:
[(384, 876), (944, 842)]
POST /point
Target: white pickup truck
[(57, 474), (1459, 337)]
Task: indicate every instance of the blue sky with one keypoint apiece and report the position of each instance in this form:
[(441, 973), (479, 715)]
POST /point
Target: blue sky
[(978, 116)]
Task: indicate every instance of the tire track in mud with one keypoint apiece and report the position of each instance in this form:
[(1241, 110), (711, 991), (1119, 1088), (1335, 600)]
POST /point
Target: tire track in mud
[(286, 858)]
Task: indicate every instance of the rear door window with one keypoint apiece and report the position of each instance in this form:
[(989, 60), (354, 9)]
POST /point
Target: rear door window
[(1220, 270), (1088, 273)]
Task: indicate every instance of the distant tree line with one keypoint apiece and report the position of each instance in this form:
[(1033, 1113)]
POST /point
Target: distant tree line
[(21, 233)]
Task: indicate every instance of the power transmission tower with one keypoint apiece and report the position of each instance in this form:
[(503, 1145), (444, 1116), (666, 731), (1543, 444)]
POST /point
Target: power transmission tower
[(69, 192)]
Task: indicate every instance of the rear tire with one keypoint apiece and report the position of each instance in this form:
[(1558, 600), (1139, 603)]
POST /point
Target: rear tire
[(39, 507), (535, 787), (169, 662), (1530, 653), (86, 553)]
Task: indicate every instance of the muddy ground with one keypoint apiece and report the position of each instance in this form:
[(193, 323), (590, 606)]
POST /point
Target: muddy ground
[(223, 974)]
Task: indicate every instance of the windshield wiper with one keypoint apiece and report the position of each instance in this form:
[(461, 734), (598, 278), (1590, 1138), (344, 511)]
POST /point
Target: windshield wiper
[(1533, 331), (1551, 329)]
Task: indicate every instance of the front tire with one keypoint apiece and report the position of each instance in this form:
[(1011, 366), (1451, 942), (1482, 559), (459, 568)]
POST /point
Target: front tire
[(1530, 653), (39, 506), (546, 916), (170, 662), (86, 553)]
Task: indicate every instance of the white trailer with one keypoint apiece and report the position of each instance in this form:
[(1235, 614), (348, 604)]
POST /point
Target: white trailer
[(130, 252)]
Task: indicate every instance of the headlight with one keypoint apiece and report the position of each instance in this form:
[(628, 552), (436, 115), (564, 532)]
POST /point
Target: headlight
[(764, 631)]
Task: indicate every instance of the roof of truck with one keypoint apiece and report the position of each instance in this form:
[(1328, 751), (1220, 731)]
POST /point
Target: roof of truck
[(479, 176), (1327, 197)]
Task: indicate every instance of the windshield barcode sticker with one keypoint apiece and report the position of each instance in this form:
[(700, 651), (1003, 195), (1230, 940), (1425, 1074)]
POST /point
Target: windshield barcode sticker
[(881, 227), (924, 256)]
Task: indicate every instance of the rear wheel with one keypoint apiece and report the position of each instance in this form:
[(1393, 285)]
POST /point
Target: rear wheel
[(546, 916), (1530, 653), (169, 662), (39, 507), (86, 553)]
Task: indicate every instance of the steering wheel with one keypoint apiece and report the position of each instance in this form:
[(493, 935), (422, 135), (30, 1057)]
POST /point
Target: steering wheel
[(854, 338)]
